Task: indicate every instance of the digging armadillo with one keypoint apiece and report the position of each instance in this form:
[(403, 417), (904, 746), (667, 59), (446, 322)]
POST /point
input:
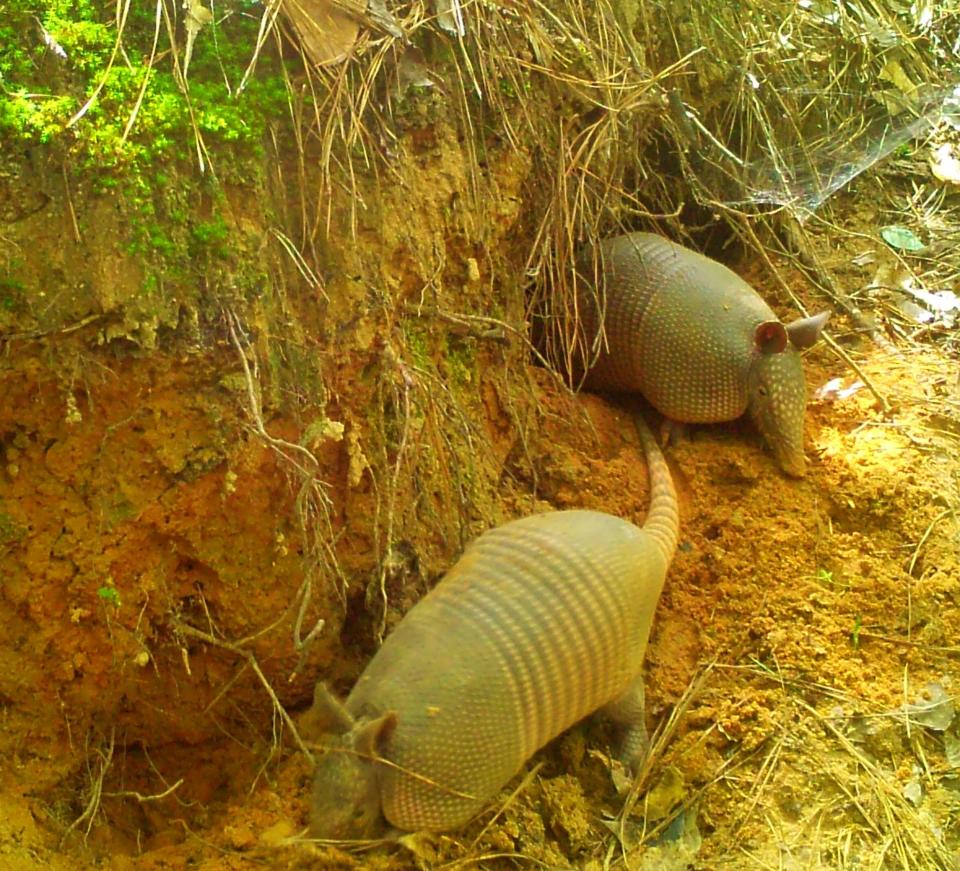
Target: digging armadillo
[(697, 341), (542, 621)]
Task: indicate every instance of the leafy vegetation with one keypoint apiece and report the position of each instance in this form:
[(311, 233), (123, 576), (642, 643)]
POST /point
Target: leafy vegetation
[(112, 104), (55, 63)]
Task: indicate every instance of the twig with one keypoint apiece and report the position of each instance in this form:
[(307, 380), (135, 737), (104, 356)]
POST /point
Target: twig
[(73, 215), (310, 484), (143, 799), (903, 642), (868, 382), (390, 356), (254, 402), (947, 512)]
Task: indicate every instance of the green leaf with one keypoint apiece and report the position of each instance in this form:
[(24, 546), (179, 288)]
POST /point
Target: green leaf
[(901, 238)]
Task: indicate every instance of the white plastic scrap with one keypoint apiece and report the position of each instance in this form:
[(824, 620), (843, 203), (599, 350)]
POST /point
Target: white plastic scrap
[(834, 389), (944, 303), (915, 312), (944, 165), (941, 305)]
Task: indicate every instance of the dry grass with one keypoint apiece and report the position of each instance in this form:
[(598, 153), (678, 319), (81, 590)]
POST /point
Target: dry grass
[(779, 113), (668, 113), (796, 102), (863, 816)]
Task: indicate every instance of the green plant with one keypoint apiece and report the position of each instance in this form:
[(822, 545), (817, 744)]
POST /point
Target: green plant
[(12, 291), (109, 595), (825, 577), (110, 106), (855, 632)]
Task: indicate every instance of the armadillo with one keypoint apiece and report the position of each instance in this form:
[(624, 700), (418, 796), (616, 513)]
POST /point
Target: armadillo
[(696, 340), (542, 621)]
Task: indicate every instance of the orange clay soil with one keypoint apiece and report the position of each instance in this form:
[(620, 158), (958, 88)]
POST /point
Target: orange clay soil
[(807, 612)]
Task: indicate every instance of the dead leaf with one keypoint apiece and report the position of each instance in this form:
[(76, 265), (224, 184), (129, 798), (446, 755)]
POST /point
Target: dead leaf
[(197, 17), (327, 32)]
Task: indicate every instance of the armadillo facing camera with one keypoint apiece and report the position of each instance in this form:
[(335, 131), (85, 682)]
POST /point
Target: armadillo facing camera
[(541, 622), (696, 340)]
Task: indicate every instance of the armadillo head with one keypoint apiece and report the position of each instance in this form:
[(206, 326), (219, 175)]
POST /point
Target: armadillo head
[(777, 402), (777, 389), (346, 788)]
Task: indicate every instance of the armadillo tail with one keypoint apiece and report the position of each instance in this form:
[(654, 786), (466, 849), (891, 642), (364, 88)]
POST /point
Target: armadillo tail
[(663, 519)]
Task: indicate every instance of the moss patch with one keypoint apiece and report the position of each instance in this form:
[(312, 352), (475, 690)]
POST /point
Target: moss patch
[(126, 156)]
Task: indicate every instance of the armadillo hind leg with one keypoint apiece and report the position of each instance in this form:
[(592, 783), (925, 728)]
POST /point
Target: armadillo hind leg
[(628, 711)]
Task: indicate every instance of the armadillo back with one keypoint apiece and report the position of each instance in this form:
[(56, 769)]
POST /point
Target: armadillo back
[(541, 622), (679, 328)]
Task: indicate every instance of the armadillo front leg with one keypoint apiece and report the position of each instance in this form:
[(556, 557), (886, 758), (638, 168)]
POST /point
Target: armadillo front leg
[(628, 711)]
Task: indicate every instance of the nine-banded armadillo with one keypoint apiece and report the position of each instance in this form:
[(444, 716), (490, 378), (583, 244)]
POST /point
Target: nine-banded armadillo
[(542, 621), (696, 340)]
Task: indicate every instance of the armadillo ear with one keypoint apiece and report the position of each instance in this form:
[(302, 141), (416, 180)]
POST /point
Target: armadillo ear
[(804, 332), (770, 337), (370, 737), (327, 714)]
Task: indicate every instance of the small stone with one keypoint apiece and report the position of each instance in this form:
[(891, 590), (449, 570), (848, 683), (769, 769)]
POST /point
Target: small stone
[(239, 837)]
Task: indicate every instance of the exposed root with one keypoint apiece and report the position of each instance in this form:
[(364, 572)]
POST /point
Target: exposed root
[(251, 662), (95, 787), (313, 504)]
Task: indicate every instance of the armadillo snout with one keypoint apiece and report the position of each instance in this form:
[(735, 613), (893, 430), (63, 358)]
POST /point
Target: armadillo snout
[(346, 796), (778, 400)]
